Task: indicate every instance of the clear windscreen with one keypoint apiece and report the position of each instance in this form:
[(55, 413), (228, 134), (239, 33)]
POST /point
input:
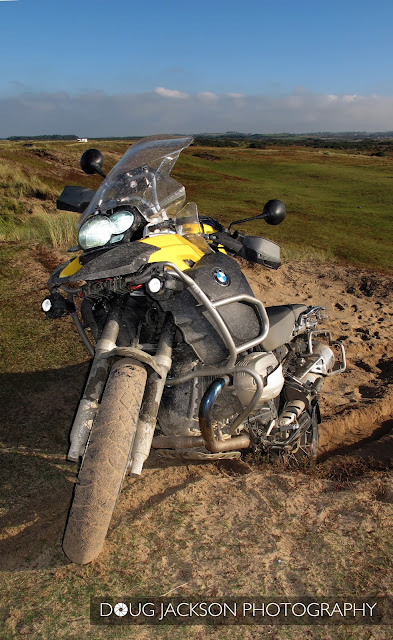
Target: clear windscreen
[(141, 179), (188, 225)]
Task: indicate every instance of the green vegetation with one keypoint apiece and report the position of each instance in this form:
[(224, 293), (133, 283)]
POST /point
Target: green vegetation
[(17, 183), (338, 203), (375, 143), (27, 215), (53, 136), (57, 230)]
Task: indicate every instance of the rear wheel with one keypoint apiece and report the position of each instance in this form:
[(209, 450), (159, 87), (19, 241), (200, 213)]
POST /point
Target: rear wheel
[(307, 452), (105, 462)]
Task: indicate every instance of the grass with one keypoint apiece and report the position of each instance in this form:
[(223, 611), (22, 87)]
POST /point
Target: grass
[(56, 229), (17, 183), (22, 287), (337, 206), (28, 212), (338, 203)]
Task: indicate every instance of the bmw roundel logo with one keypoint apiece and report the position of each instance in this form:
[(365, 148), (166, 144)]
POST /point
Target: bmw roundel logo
[(221, 277)]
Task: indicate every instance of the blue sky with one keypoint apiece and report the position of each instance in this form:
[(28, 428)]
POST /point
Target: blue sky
[(129, 68)]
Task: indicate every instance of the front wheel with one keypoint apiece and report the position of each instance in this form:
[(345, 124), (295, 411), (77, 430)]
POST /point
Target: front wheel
[(105, 462)]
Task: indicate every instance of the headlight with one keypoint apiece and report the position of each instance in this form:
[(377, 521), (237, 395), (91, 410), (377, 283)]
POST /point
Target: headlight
[(117, 238), (98, 230), (122, 220)]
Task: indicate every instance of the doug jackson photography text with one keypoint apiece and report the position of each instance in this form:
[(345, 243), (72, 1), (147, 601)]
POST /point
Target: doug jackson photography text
[(228, 611)]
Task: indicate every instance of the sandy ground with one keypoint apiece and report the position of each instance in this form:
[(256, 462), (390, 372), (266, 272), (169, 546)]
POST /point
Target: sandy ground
[(234, 527), (359, 305)]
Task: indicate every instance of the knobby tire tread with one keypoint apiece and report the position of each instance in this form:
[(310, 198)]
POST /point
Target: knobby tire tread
[(105, 462)]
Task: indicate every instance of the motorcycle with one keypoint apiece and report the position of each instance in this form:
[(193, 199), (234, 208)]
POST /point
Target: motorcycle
[(186, 360)]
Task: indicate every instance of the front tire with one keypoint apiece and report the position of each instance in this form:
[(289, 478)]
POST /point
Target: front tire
[(105, 462)]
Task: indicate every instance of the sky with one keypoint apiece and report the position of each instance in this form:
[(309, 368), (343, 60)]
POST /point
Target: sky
[(125, 67)]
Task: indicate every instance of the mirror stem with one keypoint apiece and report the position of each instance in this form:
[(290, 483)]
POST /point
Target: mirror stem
[(99, 170), (244, 220)]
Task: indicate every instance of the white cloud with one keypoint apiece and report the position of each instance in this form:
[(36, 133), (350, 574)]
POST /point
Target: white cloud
[(235, 95), (171, 93), (350, 98), (296, 102), (98, 114), (208, 96)]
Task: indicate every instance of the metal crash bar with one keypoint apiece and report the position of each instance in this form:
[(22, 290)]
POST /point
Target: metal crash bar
[(212, 307)]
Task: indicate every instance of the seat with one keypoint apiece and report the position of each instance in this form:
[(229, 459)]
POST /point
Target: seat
[(282, 320)]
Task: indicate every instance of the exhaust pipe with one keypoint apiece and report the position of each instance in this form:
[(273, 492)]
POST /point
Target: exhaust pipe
[(177, 442), (205, 423)]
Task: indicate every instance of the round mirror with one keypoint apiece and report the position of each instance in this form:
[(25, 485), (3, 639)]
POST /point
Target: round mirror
[(274, 212), (91, 161)]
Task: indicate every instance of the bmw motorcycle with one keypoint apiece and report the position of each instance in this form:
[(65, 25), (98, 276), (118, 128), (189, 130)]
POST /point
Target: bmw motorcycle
[(185, 359)]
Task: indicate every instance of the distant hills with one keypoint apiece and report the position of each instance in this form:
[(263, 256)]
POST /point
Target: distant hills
[(42, 137), (56, 136), (379, 143), (232, 135)]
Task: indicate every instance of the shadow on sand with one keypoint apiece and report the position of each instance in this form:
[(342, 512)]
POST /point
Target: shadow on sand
[(35, 478)]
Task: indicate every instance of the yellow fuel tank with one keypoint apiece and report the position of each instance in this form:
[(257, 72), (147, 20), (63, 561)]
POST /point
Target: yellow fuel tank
[(173, 248)]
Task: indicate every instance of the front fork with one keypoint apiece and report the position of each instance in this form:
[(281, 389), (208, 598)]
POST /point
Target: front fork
[(152, 398), (159, 365), (94, 386)]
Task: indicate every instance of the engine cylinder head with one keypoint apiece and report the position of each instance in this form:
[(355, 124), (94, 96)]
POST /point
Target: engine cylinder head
[(268, 367)]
